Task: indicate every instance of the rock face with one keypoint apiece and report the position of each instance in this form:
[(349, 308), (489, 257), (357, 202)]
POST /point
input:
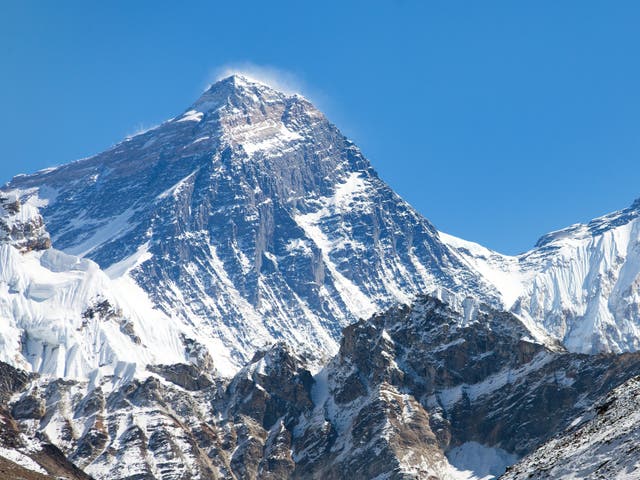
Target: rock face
[(465, 380), (251, 217), (416, 392), (581, 284), (23, 456), (601, 443)]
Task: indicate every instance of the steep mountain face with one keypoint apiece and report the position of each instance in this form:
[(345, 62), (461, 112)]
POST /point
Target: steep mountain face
[(417, 392), (581, 284), (419, 380), (601, 443), (250, 218)]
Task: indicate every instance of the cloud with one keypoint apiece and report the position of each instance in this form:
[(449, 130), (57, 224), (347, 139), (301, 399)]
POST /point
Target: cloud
[(277, 78)]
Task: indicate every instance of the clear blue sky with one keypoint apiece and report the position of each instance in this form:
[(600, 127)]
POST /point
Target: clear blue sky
[(498, 120)]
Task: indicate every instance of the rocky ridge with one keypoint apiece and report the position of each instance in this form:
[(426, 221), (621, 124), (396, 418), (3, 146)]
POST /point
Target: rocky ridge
[(21, 226), (413, 393), (601, 443), (23, 456)]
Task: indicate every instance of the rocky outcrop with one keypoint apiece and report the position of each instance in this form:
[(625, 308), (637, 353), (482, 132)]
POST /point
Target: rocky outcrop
[(602, 442), (21, 225), (480, 380), (24, 454)]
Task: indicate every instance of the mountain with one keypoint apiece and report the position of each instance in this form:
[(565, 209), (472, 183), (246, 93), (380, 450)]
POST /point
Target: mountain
[(428, 391), (236, 294), (581, 285), (249, 218), (601, 443), (415, 384)]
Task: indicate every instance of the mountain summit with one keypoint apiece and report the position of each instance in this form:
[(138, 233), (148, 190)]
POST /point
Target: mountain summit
[(250, 218)]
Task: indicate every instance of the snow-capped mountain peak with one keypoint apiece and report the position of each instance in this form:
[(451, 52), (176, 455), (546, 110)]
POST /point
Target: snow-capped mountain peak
[(238, 89), (593, 228), (250, 218), (249, 223)]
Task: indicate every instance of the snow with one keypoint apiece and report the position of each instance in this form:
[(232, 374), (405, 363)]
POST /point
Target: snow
[(43, 296), (21, 459), (355, 300), (264, 136), (191, 116), (175, 189), (127, 264), (447, 398), (501, 271), (200, 139), (320, 389), (109, 230), (579, 285), (474, 461)]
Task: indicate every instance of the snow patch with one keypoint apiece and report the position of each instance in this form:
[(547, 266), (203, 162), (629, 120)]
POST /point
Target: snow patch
[(191, 116), (474, 461)]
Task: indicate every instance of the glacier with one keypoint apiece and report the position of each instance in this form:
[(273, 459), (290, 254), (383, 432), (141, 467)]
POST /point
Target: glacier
[(63, 317)]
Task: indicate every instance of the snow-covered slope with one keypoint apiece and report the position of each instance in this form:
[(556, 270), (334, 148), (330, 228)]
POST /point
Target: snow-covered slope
[(62, 316), (580, 284), (250, 218)]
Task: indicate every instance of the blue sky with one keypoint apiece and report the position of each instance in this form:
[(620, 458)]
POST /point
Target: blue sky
[(498, 120)]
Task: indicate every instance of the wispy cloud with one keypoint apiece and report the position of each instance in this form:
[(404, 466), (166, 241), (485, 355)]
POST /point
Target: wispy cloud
[(139, 129)]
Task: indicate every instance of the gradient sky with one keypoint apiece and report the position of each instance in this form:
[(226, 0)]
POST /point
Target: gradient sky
[(498, 120)]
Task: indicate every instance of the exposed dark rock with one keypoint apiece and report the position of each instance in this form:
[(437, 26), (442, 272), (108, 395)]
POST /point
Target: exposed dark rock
[(186, 376), (25, 233), (28, 406)]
